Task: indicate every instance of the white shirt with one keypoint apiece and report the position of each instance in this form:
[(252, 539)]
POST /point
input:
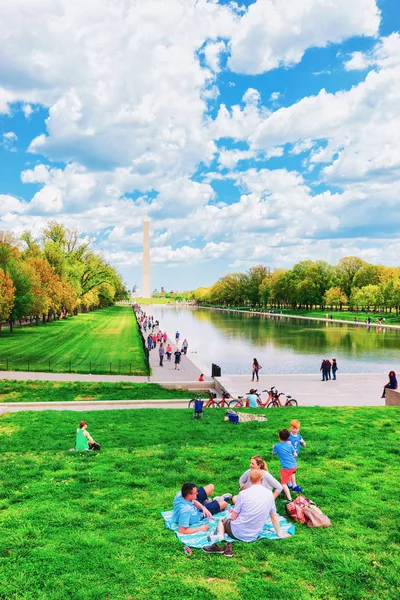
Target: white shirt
[(253, 506)]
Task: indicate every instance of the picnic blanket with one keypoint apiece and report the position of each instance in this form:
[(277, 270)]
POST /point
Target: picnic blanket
[(199, 539), (245, 417)]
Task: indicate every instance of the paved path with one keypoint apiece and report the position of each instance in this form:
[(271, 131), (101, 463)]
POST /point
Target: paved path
[(348, 390)]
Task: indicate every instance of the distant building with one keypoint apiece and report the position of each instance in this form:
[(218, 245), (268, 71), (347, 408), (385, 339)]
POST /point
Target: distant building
[(136, 291)]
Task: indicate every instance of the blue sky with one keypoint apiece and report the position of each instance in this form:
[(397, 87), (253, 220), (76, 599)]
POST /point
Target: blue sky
[(249, 132)]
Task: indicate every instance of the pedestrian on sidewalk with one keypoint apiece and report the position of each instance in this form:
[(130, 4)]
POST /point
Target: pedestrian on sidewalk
[(185, 346), (256, 368), (177, 336), (161, 353), (154, 341), (149, 341), (168, 351), (178, 356), (334, 368), (165, 337)]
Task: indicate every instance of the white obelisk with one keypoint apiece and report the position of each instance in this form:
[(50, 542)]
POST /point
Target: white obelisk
[(146, 291)]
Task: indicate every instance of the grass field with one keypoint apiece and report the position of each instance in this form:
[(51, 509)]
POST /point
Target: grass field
[(87, 526), (55, 391), (103, 341)]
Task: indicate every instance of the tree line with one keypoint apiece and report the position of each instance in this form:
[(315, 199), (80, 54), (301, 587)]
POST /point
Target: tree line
[(309, 284), (53, 276)]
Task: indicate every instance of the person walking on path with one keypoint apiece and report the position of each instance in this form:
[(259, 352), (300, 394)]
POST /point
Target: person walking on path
[(178, 356), (168, 351), (334, 368), (165, 337), (161, 353), (256, 368), (149, 341), (177, 336), (185, 346)]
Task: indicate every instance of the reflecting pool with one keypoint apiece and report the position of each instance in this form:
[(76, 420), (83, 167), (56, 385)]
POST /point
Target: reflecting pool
[(280, 344)]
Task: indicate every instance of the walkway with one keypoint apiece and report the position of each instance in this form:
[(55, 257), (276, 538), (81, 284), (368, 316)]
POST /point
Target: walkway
[(350, 389)]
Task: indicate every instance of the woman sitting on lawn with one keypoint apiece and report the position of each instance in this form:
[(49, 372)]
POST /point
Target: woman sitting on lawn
[(257, 463), (84, 440)]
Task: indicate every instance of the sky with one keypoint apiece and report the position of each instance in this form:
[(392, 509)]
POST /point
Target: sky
[(262, 131)]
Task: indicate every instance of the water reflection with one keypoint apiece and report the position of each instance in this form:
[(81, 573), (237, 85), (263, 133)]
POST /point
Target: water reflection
[(283, 345)]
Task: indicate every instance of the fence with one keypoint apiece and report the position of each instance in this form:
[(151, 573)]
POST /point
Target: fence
[(116, 367), (145, 348)]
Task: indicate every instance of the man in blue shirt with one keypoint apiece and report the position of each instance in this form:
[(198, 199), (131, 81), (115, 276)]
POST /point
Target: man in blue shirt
[(192, 505)]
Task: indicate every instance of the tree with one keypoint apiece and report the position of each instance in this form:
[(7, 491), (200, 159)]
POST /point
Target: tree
[(254, 278), (346, 270), (335, 297), (7, 296)]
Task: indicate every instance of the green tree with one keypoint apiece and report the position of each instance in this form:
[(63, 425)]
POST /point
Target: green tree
[(346, 270)]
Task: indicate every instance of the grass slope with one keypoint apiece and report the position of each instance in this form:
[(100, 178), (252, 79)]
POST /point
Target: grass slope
[(54, 391), (87, 526), (102, 341)]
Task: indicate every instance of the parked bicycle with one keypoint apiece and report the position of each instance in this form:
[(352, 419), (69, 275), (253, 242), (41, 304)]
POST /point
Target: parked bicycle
[(210, 403), (276, 400)]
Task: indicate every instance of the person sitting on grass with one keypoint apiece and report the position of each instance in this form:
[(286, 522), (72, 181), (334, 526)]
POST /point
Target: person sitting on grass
[(268, 481), (84, 440), (253, 507), (192, 505), (391, 385), (287, 455)]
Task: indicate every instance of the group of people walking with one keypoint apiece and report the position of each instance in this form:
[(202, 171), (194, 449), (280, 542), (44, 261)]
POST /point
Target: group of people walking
[(159, 339), (328, 369)]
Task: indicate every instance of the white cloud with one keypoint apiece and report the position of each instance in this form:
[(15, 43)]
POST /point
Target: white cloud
[(277, 32), (8, 141), (212, 54)]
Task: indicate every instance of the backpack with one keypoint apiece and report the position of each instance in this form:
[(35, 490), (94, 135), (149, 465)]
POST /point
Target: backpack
[(304, 510)]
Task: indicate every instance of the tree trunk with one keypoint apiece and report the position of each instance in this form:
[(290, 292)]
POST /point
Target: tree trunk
[(11, 325)]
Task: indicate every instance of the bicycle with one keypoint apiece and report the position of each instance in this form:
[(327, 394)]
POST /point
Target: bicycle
[(223, 402), (236, 402), (210, 403), (276, 401)]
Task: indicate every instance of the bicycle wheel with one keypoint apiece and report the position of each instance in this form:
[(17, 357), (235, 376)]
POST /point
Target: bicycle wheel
[(273, 404), (291, 402), (191, 403), (212, 404), (235, 404)]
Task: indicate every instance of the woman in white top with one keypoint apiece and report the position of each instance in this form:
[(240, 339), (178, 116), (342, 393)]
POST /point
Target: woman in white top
[(269, 482)]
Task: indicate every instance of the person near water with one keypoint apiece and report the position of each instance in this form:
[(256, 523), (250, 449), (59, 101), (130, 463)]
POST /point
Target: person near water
[(392, 383), (334, 368), (185, 346), (177, 336), (178, 356), (84, 440), (168, 351), (201, 378), (256, 368), (161, 353)]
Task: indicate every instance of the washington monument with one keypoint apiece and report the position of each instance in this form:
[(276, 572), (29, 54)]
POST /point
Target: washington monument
[(146, 292)]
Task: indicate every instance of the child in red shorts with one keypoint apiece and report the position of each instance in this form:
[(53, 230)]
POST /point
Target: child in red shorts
[(287, 456)]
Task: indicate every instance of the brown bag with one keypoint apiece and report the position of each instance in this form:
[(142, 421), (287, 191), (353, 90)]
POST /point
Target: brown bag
[(304, 510), (315, 517)]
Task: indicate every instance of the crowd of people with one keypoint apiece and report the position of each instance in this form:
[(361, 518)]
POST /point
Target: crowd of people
[(158, 339), (249, 510)]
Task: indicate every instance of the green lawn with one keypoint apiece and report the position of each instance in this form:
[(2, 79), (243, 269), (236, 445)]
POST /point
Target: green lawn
[(390, 318), (103, 341), (87, 526), (55, 391)]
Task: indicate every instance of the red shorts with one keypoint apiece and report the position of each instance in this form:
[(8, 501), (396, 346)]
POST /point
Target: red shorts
[(286, 475)]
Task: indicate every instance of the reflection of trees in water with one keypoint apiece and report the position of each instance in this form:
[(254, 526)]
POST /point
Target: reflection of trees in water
[(299, 336)]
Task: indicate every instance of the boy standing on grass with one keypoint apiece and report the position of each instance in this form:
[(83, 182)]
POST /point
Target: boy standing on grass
[(297, 442), (287, 456)]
